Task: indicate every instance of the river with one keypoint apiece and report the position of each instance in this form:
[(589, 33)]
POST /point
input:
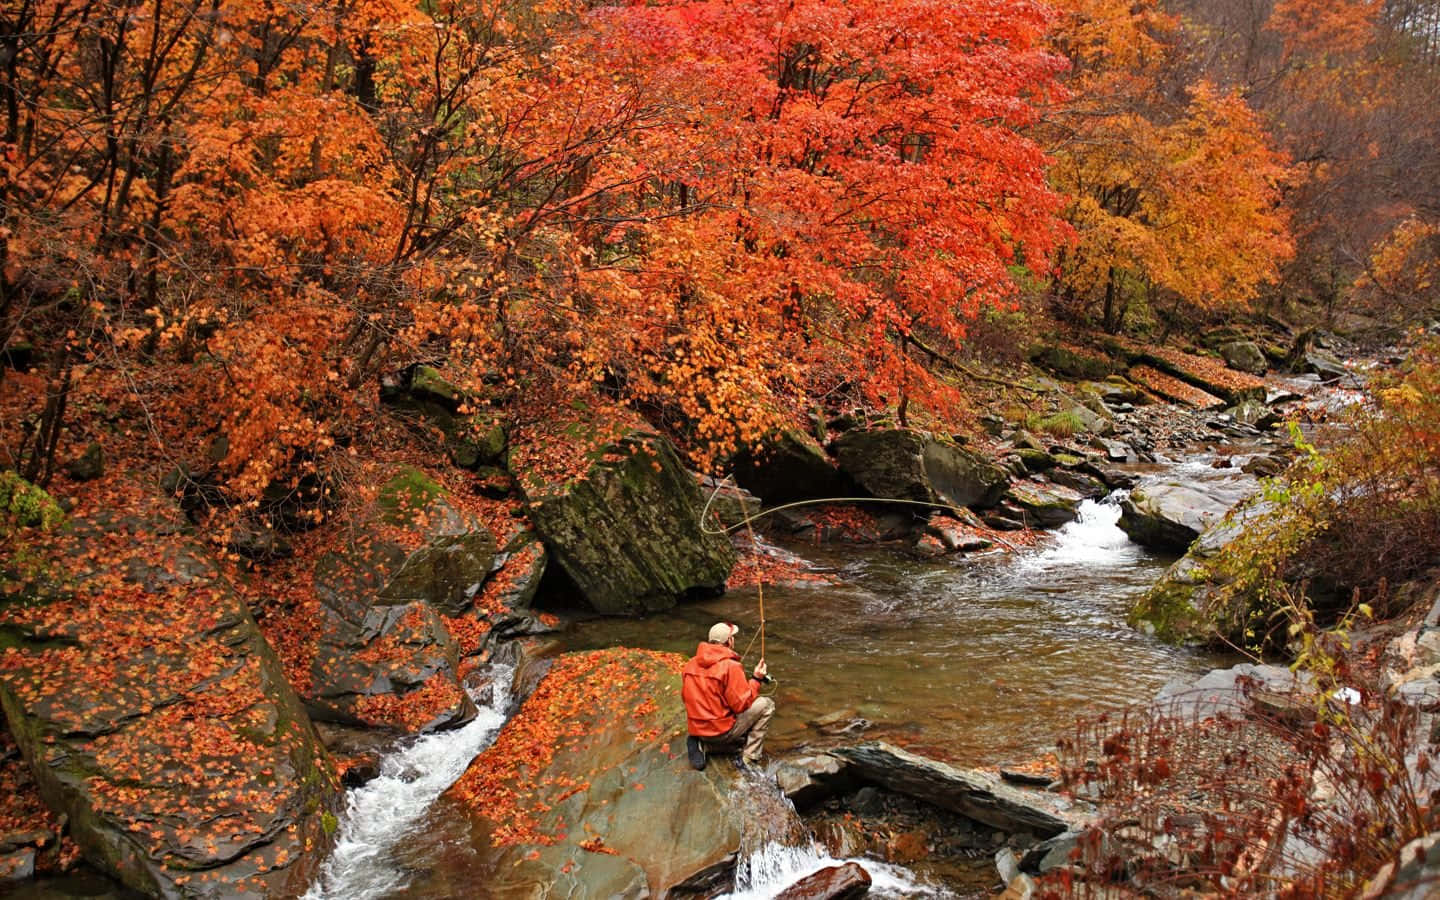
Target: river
[(980, 659)]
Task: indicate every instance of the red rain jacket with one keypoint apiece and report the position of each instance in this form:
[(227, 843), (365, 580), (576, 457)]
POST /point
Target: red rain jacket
[(715, 690)]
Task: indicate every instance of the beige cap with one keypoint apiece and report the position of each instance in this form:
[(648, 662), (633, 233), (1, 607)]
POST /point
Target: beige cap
[(721, 632)]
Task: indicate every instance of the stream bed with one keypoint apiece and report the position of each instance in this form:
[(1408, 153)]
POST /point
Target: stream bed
[(982, 659)]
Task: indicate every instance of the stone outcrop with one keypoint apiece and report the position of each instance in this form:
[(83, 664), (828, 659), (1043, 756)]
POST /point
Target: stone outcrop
[(788, 465), (157, 720), (587, 792), (1182, 606), (384, 656), (627, 531), (976, 795), (911, 465), (1170, 515)]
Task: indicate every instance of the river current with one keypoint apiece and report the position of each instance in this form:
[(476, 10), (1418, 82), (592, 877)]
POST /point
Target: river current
[(981, 659)]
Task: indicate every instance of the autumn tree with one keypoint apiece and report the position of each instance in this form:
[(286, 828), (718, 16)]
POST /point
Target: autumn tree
[(1173, 188)]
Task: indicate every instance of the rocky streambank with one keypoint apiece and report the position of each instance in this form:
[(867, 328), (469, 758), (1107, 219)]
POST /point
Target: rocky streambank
[(386, 626)]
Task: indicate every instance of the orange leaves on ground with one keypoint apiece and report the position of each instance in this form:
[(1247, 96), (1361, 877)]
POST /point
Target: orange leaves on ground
[(506, 784), (756, 567)]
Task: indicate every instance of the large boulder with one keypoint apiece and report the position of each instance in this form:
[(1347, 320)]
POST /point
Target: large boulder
[(384, 656), (627, 529), (1185, 606), (788, 465), (587, 792), (1170, 515), (902, 464), (1246, 356), (157, 720), (974, 794)]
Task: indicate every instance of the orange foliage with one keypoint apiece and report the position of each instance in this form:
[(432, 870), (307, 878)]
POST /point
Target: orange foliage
[(505, 784)]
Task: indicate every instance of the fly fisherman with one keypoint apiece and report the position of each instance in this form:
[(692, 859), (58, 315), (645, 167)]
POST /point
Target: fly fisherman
[(725, 710)]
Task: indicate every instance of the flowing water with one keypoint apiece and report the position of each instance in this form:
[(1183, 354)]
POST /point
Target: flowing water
[(388, 811), (981, 659)]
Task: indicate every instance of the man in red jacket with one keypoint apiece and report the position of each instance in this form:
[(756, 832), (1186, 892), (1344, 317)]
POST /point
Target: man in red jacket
[(725, 710)]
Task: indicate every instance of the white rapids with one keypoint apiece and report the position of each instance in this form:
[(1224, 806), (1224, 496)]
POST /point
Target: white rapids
[(382, 813), (774, 867), (1094, 539)]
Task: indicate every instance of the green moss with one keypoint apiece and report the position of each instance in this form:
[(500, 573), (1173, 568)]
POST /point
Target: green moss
[(23, 505), (330, 823), (408, 492), (1169, 610)]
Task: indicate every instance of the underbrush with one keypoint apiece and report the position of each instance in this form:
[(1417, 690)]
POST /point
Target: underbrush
[(1310, 791), (1346, 523)]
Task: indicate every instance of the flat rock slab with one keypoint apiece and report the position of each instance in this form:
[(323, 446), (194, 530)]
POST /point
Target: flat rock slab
[(976, 795)]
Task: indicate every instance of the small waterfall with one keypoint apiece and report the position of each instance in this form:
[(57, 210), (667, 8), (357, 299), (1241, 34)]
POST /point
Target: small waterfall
[(385, 811), (774, 867), (1092, 539)]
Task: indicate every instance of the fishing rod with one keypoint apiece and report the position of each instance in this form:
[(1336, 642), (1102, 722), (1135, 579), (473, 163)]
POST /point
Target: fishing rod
[(747, 520)]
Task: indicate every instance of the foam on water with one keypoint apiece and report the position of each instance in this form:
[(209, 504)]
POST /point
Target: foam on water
[(774, 867), (381, 814), (1093, 539)]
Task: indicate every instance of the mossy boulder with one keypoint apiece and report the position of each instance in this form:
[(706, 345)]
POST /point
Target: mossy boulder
[(587, 793), (788, 465), (1245, 356), (903, 464), (473, 432), (156, 718), (627, 531), (1191, 603), (384, 656)]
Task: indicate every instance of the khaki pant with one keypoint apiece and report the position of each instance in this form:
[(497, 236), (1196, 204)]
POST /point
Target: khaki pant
[(747, 734)]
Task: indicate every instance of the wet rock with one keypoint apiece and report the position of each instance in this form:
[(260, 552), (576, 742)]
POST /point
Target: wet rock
[(1264, 466), (1035, 460), (258, 542), (17, 864), (628, 532), (607, 768), (1086, 485), (88, 465), (809, 780), (1045, 506), (1006, 865), (1185, 605), (1090, 421), (1414, 874), (179, 754), (958, 536), (1245, 356), (843, 882), (977, 795), (384, 656), (730, 506), (1051, 853), (1169, 515), (1232, 692), (910, 465), (788, 465)]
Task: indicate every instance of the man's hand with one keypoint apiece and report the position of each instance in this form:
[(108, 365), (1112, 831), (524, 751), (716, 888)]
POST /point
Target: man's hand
[(761, 671)]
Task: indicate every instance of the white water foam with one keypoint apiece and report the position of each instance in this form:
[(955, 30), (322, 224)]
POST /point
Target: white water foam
[(383, 812), (774, 867), (1093, 539)]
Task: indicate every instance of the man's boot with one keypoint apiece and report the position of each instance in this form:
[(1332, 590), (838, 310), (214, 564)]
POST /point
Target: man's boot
[(696, 753)]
